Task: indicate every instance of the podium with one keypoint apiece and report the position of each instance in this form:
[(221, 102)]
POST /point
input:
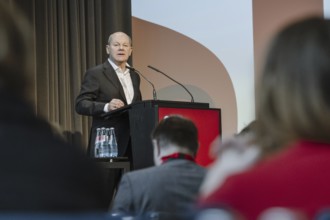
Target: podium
[(145, 115)]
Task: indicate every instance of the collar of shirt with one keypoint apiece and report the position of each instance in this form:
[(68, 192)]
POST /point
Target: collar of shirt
[(177, 156), (118, 69), (125, 80)]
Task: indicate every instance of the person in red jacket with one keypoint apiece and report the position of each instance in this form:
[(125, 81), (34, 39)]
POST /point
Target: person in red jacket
[(293, 114)]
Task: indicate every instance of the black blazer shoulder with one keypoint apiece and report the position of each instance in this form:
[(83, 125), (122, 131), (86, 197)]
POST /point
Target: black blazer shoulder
[(100, 85)]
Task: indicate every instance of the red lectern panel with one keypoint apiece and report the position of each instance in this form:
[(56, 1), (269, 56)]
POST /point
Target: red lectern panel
[(207, 122)]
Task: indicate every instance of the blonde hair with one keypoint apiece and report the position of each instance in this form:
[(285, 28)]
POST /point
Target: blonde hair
[(293, 99)]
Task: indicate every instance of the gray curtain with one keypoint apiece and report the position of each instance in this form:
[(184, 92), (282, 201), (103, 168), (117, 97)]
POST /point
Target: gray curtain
[(69, 37)]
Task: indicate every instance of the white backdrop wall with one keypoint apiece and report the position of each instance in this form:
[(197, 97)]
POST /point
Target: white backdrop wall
[(229, 37), (223, 28)]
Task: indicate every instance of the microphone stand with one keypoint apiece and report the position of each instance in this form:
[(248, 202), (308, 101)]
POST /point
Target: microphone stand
[(154, 94), (157, 70)]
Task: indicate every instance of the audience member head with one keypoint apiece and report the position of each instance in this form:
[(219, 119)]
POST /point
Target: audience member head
[(174, 134), (293, 101), (15, 51)]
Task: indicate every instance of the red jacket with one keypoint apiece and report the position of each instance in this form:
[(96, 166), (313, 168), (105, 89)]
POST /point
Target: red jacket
[(297, 178)]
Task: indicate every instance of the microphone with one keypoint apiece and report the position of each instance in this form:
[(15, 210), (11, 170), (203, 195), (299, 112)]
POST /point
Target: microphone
[(153, 87), (157, 70)]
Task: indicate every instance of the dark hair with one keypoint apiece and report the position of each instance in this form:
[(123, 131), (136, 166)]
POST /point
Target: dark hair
[(178, 131), (293, 100)]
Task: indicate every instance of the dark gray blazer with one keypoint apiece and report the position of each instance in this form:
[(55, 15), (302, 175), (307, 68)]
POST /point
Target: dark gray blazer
[(101, 85), (170, 187)]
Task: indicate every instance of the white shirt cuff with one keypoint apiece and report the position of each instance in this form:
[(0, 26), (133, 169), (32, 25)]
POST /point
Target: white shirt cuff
[(105, 109)]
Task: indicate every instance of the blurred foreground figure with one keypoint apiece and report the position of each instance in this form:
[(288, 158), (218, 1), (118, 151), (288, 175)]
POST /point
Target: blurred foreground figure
[(293, 114), (233, 155), (39, 172), (172, 185)]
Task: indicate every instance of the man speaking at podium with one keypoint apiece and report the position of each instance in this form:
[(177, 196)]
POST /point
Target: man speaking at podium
[(107, 87)]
